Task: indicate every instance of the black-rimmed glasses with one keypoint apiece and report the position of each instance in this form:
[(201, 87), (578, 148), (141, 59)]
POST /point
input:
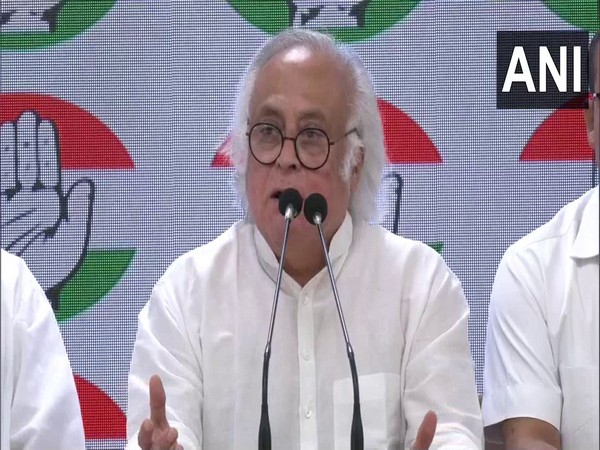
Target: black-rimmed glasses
[(312, 145)]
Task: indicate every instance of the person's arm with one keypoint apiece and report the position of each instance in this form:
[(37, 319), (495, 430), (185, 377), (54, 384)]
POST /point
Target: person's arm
[(522, 397), (163, 348), (440, 373), (45, 411)]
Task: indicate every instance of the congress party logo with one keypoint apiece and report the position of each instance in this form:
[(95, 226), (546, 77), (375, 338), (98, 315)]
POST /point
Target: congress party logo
[(347, 20), (406, 144), (47, 220), (33, 24), (583, 14)]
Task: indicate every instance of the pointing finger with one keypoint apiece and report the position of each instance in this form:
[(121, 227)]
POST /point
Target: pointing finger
[(27, 169), (426, 432), (48, 154), (8, 154), (158, 399)]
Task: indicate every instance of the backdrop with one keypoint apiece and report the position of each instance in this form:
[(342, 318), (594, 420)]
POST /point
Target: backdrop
[(129, 104)]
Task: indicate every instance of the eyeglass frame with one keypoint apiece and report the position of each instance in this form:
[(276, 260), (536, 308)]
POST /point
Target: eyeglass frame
[(295, 140)]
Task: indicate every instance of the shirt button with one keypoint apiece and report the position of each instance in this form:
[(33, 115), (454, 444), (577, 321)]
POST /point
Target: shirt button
[(305, 299), (308, 413), (306, 356)]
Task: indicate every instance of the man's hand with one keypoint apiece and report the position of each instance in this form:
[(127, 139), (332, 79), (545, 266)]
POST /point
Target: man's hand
[(27, 16), (426, 432), (48, 228), (155, 432)]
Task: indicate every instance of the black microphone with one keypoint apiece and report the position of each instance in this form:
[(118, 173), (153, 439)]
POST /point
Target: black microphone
[(290, 205), (315, 210)]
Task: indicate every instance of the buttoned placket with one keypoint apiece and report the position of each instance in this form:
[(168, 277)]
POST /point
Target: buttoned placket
[(307, 413)]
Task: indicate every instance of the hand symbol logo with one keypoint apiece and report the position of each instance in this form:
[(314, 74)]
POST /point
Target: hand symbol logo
[(46, 226), (29, 15), (328, 13)]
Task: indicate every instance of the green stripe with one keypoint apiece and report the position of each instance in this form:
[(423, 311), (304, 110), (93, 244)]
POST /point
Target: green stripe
[(437, 246), (581, 13), (100, 272)]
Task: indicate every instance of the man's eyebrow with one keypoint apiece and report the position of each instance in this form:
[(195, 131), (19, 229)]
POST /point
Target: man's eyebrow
[(314, 115)]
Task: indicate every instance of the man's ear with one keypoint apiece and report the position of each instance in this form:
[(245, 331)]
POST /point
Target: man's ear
[(357, 169)]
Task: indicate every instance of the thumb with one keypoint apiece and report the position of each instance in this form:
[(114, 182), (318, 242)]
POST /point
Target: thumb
[(426, 432), (158, 401)]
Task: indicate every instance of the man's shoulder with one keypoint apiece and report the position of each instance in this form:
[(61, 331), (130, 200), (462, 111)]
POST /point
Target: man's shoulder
[(393, 248), (208, 257), (553, 233)]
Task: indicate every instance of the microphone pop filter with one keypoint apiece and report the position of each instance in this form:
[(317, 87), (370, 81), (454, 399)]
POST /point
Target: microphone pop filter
[(315, 204), (290, 197)]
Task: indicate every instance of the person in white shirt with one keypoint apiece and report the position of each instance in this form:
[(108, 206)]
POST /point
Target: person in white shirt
[(204, 329), (541, 363), (39, 406)]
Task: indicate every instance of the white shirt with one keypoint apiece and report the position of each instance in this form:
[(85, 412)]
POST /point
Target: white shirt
[(205, 327), (39, 407), (542, 339)]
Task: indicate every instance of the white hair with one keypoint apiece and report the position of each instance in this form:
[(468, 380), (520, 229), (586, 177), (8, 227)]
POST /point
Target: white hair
[(363, 115)]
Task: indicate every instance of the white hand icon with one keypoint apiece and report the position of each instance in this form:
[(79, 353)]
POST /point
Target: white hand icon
[(29, 15), (328, 13), (46, 226)]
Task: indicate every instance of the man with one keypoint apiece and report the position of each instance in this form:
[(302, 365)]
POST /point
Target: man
[(307, 118), (39, 407), (541, 365)]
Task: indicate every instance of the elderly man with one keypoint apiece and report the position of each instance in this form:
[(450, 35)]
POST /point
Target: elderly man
[(39, 407), (541, 364), (204, 329)]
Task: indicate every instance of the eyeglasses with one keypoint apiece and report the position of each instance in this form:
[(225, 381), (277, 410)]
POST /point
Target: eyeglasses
[(312, 145)]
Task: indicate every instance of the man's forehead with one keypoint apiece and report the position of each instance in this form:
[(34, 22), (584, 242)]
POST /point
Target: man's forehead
[(296, 55)]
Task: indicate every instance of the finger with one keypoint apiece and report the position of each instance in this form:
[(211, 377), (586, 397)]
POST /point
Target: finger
[(426, 432), (8, 155), (158, 399), (27, 168), (48, 154), (15, 228), (145, 435)]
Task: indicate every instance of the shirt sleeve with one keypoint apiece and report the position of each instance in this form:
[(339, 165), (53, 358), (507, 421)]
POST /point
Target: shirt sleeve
[(162, 347), (440, 372), (521, 379), (45, 411)]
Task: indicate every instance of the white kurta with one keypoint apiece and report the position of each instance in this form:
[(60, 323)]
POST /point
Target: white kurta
[(542, 339), (39, 406), (205, 327)]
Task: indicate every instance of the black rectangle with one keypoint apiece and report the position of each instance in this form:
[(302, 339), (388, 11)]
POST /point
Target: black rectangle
[(519, 95)]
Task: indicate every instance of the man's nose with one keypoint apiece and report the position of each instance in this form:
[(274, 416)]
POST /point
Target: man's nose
[(287, 158)]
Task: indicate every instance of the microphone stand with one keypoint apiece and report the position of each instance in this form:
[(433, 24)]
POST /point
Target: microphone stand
[(264, 430), (356, 432)]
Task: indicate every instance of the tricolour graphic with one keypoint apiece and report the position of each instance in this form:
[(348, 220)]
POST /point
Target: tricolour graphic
[(26, 25), (49, 223), (347, 20)]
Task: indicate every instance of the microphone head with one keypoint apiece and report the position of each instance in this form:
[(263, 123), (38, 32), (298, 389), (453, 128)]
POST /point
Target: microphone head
[(315, 204), (290, 197)]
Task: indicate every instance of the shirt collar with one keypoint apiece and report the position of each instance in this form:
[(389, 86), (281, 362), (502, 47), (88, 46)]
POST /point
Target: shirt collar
[(586, 243), (338, 250)]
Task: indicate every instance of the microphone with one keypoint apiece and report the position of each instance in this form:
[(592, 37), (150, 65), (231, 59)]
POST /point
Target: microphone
[(315, 210), (290, 205)]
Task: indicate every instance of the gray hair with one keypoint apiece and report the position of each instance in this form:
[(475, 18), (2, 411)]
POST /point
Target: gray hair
[(364, 115)]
